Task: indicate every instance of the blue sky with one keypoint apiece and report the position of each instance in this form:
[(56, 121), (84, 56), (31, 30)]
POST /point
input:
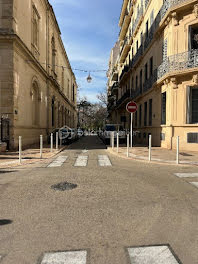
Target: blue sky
[(89, 30)]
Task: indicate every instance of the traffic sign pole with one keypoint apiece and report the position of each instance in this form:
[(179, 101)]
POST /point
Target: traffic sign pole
[(131, 107)]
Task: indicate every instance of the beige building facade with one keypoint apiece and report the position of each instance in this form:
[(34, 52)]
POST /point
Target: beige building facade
[(38, 88), (158, 69)]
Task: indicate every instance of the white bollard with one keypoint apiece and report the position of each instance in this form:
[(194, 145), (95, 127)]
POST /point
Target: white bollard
[(56, 140), (150, 140), (112, 140), (177, 158), (117, 142), (41, 146), (20, 149), (51, 142), (127, 145)]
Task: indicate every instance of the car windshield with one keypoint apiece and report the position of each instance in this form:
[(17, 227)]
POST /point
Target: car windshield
[(110, 128)]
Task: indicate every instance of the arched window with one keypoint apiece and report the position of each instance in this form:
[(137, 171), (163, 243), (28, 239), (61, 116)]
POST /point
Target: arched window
[(35, 104)]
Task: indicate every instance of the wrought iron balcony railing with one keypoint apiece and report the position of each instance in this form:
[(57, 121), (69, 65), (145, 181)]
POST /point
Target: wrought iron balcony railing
[(137, 56), (124, 70), (151, 80), (178, 62), (137, 20)]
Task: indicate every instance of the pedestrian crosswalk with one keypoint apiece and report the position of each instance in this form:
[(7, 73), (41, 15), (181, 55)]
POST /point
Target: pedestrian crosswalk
[(68, 257), (186, 176), (58, 162), (81, 161), (152, 254)]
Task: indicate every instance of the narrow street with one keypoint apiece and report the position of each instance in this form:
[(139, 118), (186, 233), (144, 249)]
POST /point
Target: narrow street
[(115, 206)]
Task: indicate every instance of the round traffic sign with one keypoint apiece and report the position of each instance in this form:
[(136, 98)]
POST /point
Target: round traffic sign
[(131, 107)]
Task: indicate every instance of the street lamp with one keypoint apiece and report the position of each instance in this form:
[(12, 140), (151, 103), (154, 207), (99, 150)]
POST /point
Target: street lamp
[(89, 79)]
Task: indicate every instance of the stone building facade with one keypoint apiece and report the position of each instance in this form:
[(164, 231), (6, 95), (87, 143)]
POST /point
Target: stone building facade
[(37, 85), (158, 69)]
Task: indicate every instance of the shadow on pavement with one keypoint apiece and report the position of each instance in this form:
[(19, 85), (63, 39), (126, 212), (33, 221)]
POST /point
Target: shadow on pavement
[(88, 143)]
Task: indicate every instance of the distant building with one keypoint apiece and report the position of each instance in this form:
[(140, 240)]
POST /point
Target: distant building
[(158, 69), (37, 86)]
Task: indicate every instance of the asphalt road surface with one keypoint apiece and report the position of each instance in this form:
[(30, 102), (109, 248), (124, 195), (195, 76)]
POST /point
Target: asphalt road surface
[(118, 212)]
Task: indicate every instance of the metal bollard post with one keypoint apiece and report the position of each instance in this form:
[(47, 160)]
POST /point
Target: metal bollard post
[(41, 146), (127, 145), (150, 140), (112, 140), (51, 142), (20, 149), (56, 140), (117, 142), (177, 158)]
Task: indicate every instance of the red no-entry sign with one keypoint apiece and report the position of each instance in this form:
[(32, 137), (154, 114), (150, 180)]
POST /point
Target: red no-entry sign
[(131, 107)]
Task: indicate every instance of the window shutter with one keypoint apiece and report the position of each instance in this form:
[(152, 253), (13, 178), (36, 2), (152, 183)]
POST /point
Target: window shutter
[(188, 105)]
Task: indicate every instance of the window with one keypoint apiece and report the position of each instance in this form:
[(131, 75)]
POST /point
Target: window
[(147, 28), (163, 109), (53, 112), (63, 78), (193, 37), (136, 119), (146, 72), (141, 38), (53, 51), (136, 83), (35, 27), (150, 112), (35, 104), (151, 66), (141, 81), (73, 93), (137, 46), (145, 114), (152, 17), (192, 111), (140, 116)]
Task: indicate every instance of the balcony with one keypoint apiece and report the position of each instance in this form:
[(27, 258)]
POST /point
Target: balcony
[(124, 71), (125, 26), (114, 76), (125, 50), (114, 88), (136, 57), (149, 83), (137, 20), (178, 62), (123, 98)]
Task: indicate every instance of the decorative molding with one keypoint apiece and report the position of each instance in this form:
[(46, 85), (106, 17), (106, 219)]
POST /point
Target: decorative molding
[(174, 82), (195, 10), (175, 19), (195, 79)]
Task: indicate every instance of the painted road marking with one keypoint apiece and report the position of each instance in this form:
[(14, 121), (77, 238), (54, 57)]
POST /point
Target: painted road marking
[(58, 162), (104, 160), (186, 175), (153, 254), (81, 161), (194, 183), (70, 257)]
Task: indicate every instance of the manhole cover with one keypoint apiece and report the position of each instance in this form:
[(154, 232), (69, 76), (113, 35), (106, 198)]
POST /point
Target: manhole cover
[(5, 222), (64, 186)]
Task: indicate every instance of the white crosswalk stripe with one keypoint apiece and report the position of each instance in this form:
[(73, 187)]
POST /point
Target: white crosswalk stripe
[(58, 162), (194, 183), (186, 175), (153, 254), (81, 161), (70, 257), (103, 160)]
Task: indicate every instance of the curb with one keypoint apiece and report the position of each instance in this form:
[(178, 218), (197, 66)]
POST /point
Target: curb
[(17, 165), (153, 161)]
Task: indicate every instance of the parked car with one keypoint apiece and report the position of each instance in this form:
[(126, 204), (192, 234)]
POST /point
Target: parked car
[(80, 132)]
